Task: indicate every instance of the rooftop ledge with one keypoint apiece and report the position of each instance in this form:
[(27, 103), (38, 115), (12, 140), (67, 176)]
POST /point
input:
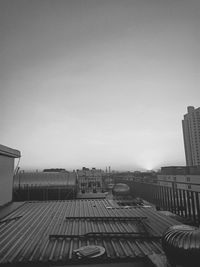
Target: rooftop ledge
[(9, 152)]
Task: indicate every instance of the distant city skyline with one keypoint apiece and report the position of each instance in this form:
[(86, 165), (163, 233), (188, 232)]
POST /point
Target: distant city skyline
[(98, 83)]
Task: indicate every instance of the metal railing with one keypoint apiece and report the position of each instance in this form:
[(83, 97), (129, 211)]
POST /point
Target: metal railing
[(182, 202)]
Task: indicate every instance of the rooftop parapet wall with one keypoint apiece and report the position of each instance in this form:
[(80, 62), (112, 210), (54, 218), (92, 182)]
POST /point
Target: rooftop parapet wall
[(9, 152), (7, 156)]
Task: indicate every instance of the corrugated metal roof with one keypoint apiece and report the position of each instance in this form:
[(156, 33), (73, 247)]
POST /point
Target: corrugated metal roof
[(50, 231)]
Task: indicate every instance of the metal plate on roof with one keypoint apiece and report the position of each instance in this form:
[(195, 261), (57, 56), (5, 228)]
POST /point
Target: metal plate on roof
[(89, 251)]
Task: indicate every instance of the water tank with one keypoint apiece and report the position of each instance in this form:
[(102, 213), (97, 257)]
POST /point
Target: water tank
[(110, 186), (181, 244), (121, 189)]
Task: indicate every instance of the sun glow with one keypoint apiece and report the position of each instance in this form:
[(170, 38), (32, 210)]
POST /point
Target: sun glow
[(150, 160), (149, 166)]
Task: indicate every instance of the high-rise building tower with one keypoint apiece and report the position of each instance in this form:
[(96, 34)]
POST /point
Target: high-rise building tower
[(191, 135)]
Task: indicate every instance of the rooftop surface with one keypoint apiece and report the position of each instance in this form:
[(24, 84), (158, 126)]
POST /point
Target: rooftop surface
[(49, 232)]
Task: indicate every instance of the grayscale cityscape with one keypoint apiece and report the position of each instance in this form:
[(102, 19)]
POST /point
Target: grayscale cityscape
[(100, 133)]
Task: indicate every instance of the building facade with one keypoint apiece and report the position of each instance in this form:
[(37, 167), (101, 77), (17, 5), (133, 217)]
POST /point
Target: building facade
[(191, 135), (7, 156), (89, 181), (180, 177)]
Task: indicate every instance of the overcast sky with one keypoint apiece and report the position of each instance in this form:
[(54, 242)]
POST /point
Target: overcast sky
[(98, 83)]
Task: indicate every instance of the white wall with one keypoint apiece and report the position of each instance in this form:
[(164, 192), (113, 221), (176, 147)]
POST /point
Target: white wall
[(6, 178)]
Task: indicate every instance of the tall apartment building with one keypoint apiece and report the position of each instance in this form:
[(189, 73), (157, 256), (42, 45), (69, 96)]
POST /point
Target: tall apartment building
[(191, 135)]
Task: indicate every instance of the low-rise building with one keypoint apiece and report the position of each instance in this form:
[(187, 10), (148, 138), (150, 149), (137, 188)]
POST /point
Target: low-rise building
[(180, 177), (7, 156), (89, 181)]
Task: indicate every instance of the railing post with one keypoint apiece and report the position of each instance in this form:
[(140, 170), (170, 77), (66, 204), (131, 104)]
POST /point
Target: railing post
[(197, 206), (188, 204), (193, 207), (185, 204)]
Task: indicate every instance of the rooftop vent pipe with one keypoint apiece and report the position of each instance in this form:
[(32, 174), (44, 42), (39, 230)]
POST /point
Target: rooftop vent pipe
[(181, 244)]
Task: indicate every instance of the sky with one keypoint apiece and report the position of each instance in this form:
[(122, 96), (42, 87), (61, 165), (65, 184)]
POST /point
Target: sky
[(98, 83)]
